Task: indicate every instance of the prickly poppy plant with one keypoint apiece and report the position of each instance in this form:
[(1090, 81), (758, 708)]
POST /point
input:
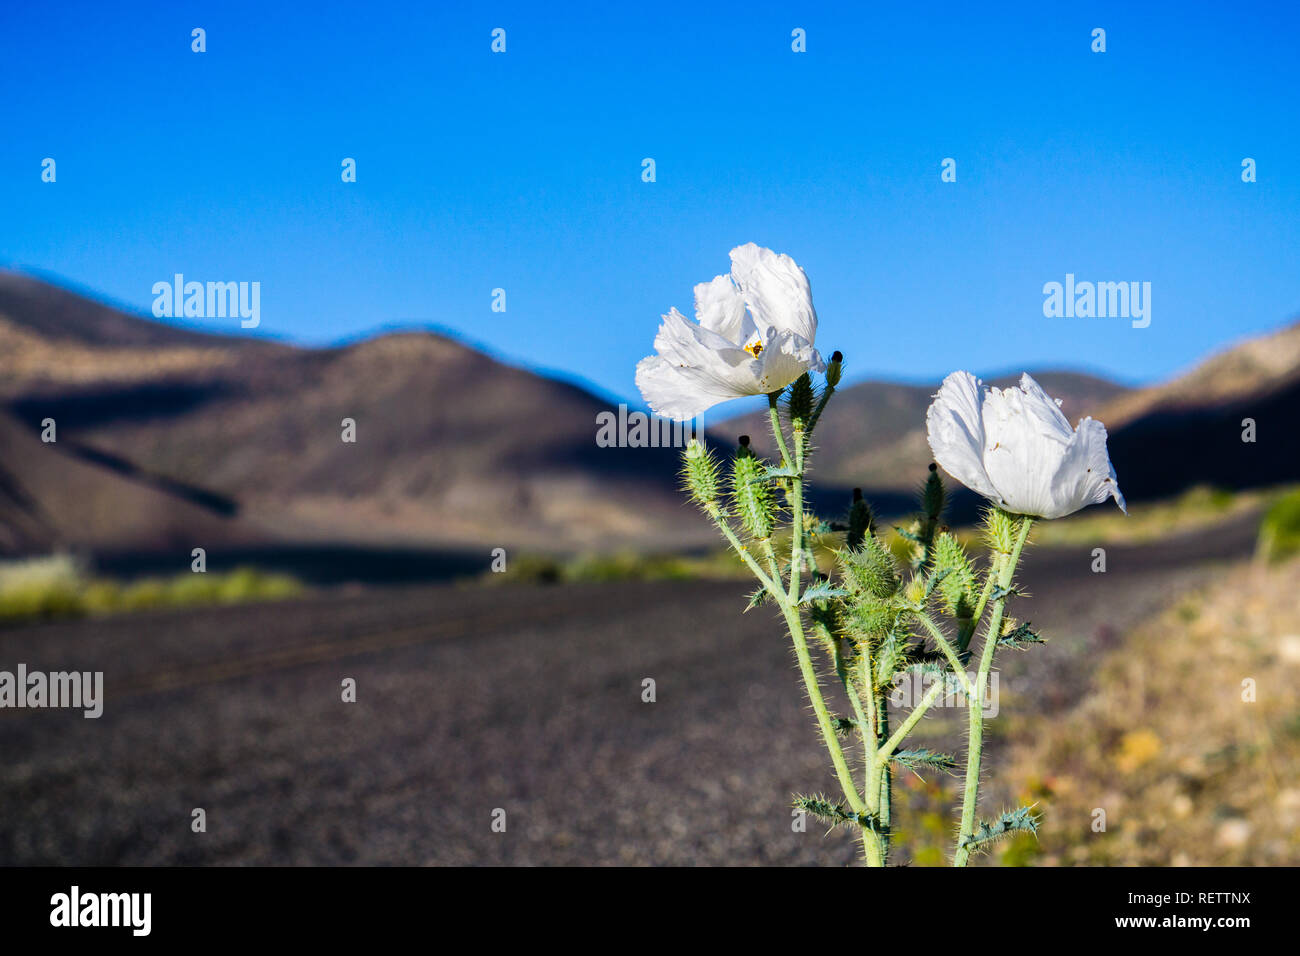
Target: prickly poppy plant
[(877, 615)]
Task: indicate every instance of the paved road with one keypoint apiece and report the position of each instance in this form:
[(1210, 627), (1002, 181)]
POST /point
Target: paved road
[(522, 698)]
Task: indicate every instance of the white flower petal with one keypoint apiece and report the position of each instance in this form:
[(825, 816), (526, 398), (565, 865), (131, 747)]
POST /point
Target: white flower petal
[(1025, 437), (725, 355), (1015, 447), (775, 289), (784, 358), (721, 308), (955, 427), (676, 392), (1085, 475), (694, 370), (1045, 410)]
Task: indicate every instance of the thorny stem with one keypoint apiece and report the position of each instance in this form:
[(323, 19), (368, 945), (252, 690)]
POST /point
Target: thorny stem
[(887, 749), (774, 413), (957, 668), (772, 564), (975, 704), (886, 775), (967, 629), (817, 413), (773, 587), (871, 845)]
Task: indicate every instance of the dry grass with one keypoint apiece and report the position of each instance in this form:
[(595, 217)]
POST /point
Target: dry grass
[(1186, 767), (58, 586)]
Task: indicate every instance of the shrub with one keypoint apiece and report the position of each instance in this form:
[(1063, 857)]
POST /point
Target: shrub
[(1279, 531)]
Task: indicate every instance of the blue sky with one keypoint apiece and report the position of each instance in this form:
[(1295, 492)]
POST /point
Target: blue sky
[(523, 170)]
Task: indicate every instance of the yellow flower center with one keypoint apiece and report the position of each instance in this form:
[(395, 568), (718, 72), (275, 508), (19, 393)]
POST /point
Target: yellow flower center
[(755, 349)]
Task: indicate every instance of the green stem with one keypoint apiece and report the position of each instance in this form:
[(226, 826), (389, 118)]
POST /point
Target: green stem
[(967, 628), (773, 586), (772, 565), (957, 667), (866, 719), (796, 523), (871, 846), (870, 839), (975, 704), (887, 749), (886, 776), (817, 414), (774, 413)]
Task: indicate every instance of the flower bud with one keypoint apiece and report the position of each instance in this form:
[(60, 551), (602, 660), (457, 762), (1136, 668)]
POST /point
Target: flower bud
[(800, 402), (700, 472), (999, 530), (751, 493), (933, 497), (870, 619), (870, 569), (957, 588), (835, 369), (861, 522)]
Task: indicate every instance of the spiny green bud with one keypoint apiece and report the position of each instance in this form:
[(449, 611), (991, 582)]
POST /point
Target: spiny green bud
[(870, 569), (800, 401), (835, 369), (870, 619), (861, 522), (700, 472), (933, 496), (915, 591), (957, 587), (999, 530), (890, 657), (751, 493)]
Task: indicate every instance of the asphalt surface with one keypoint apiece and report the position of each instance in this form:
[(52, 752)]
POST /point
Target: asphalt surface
[(469, 700)]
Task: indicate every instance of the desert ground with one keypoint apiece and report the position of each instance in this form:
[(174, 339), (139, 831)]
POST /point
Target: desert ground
[(470, 699)]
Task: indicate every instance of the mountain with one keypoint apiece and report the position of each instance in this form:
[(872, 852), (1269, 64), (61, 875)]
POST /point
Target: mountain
[(172, 438), (1191, 430), (1163, 439), (873, 434), (55, 499), (452, 447)]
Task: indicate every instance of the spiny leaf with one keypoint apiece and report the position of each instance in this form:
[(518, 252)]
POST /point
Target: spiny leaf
[(934, 580), (821, 591), (932, 665), (986, 834), (845, 726), (999, 592), (1021, 637), (836, 814), (757, 599), (820, 806), (923, 757), (904, 533), (783, 471)]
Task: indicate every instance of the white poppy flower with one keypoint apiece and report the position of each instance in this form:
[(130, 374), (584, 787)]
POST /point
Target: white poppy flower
[(1014, 447), (754, 336)]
